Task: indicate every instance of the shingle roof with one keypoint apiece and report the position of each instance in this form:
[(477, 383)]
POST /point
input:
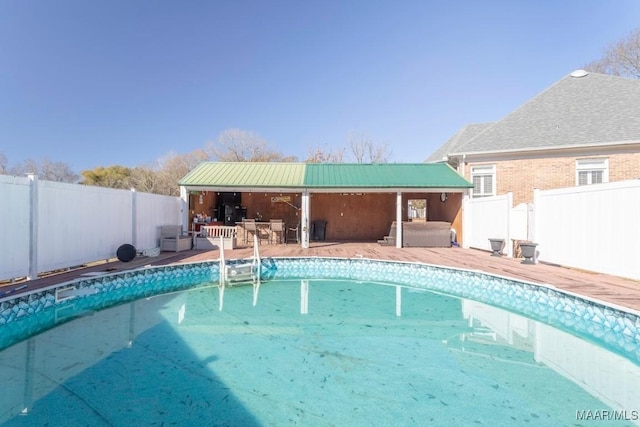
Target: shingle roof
[(458, 140), (576, 111), (324, 176)]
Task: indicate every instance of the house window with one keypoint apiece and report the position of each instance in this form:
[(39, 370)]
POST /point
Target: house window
[(592, 171), (484, 180)]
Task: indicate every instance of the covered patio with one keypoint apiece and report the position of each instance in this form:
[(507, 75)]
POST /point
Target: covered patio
[(318, 202)]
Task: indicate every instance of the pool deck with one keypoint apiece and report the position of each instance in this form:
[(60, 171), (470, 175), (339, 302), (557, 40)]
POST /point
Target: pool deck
[(611, 289)]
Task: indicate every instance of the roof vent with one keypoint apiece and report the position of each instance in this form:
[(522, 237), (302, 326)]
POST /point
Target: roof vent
[(579, 73)]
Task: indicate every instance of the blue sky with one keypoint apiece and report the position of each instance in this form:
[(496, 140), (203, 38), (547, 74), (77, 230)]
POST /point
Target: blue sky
[(106, 82)]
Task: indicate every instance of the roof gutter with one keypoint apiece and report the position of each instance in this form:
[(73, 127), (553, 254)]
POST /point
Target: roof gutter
[(557, 149)]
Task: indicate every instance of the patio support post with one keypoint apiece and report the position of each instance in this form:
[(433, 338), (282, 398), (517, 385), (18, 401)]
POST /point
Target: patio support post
[(399, 220), (467, 213), (304, 219), (184, 208), (33, 226)]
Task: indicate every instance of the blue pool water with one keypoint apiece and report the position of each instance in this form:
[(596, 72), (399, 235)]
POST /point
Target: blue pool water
[(316, 352)]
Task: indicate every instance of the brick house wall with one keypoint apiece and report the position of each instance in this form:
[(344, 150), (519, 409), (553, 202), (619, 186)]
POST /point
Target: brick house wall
[(522, 175)]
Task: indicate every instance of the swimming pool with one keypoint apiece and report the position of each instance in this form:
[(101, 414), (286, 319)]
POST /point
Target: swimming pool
[(411, 343)]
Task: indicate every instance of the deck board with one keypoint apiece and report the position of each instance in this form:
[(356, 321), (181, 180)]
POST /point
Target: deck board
[(611, 289)]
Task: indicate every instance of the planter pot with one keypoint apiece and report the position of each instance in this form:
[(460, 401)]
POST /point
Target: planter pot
[(497, 245), (528, 252)]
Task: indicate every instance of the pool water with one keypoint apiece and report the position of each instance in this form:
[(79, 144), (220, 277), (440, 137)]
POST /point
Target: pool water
[(311, 352)]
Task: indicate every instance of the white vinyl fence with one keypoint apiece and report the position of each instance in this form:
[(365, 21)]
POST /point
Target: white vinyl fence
[(46, 226), (493, 218), (593, 227), (14, 226)]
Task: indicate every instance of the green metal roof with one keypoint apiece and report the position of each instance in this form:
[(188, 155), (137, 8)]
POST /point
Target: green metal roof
[(246, 174), (383, 175), (325, 176)]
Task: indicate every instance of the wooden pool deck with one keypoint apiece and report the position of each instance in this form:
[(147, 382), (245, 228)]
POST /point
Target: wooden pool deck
[(611, 289)]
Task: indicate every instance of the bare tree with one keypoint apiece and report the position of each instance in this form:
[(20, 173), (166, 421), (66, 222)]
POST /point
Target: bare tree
[(237, 145), (161, 178), (364, 150), (324, 155), (358, 145), (144, 179), (57, 171), (173, 167), (3, 163), (46, 170), (621, 58)]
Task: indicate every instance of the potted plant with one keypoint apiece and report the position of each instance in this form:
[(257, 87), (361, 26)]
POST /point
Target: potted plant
[(528, 252), (497, 245)]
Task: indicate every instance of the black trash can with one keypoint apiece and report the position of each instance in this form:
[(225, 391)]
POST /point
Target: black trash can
[(318, 229)]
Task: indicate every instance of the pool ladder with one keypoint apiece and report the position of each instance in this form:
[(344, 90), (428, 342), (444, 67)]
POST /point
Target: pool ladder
[(245, 272)]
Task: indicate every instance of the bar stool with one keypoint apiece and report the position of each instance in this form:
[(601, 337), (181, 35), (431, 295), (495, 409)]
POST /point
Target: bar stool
[(296, 231), (276, 231), (249, 226)]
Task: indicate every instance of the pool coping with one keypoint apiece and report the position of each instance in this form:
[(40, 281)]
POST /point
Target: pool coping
[(14, 293), (534, 300), (613, 290)]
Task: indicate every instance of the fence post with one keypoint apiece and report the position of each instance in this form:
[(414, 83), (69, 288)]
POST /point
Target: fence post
[(467, 212), (530, 214), (33, 226), (508, 242), (533, 222), (134, 218)]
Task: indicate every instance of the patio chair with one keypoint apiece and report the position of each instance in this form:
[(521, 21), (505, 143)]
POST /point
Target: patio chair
[(173, 239), (276, 231), (263, 231), (249, 226)]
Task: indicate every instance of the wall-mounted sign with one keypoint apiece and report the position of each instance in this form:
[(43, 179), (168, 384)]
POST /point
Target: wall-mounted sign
[(278, 199)]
